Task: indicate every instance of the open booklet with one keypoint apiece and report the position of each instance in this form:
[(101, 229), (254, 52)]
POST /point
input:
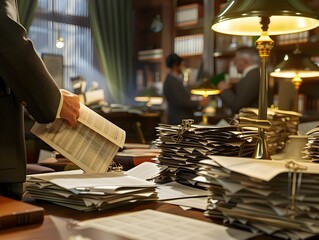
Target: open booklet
[(91, 144)]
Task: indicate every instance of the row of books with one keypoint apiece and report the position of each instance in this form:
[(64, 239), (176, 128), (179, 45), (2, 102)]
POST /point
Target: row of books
[(293, 38), (152, 54), (189, 45)]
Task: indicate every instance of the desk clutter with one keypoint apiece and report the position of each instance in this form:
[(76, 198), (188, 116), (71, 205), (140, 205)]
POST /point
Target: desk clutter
[(212, 165), (283, 124), (89, 191), (312, 147), (278, 198), (183, 146)]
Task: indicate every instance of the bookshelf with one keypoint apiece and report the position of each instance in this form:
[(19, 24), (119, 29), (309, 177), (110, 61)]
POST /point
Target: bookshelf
[(153, 40)]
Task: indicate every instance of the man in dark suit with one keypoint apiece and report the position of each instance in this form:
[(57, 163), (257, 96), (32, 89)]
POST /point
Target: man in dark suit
[(245, 92), (180, 106), (24, 82)]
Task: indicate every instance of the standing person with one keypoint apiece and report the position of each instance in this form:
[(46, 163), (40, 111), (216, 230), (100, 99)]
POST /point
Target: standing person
[(24, 82), (245, 92), (180, 106)]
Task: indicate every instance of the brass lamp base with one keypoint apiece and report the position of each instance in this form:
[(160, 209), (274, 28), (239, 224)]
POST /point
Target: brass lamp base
[(264, 45)]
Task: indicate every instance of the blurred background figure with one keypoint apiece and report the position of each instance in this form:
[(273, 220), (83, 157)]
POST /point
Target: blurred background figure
[(242, 92), (179, 103)]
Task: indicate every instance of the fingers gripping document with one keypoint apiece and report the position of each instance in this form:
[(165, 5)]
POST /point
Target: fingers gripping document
[(91, 144)]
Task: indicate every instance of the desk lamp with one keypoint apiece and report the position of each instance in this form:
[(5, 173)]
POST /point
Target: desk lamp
[(205, 89), (296, 67), (264, 18)]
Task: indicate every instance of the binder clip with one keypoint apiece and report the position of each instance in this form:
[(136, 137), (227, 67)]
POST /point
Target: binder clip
[(186, 124), (116, 167), (294, 183)]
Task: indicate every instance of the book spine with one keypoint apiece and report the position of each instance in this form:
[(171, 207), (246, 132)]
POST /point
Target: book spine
[(21, 219)]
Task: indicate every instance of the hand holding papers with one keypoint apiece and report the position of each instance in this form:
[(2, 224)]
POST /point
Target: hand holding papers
[(91, 144)]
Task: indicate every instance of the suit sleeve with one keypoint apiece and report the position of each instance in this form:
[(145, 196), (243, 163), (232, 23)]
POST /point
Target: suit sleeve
[(246, 93), (23, 71)]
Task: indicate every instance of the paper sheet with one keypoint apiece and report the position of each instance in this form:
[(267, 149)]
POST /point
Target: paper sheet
[(174, 190), (197, 203), (91, 144), (150, 224), (261, 169), (146, 170)]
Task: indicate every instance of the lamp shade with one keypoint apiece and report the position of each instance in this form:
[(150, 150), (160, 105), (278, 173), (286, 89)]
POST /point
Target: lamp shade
[(205, 89), (297, 63), (242, 17)]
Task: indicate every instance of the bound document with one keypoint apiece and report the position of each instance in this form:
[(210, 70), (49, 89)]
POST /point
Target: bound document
[(15, 213)]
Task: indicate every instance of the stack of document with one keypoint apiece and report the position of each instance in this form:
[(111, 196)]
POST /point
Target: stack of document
[(182, 149), (274, 197), (312, 147), (90, 191), (283, 124)]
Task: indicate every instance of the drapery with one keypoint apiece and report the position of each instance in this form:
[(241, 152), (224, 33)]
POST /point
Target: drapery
[(26, 11), (111, 24)]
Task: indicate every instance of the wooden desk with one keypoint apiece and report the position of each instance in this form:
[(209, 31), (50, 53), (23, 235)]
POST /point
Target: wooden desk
[(47, 229)]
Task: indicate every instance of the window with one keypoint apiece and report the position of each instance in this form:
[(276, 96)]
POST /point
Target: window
[(69, 19)]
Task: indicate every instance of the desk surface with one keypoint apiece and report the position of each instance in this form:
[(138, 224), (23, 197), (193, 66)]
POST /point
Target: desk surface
[(47, 229)]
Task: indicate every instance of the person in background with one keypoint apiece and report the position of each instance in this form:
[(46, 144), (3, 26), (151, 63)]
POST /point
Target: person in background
[(245, 91), (179, 103), (24, 82)]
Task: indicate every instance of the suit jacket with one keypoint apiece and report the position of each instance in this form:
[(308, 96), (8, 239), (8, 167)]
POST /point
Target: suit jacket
[(24, 82), (178, 100), (243, 94)]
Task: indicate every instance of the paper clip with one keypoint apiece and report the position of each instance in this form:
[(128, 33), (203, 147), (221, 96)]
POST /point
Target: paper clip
[(294, 186), (186, 124)]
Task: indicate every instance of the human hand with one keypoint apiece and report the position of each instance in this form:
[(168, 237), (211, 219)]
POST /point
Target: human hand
[(223, 86), (70, 110)]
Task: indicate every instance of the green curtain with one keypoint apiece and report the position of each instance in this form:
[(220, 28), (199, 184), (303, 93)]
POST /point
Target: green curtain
[(111, 24), (26, 11)]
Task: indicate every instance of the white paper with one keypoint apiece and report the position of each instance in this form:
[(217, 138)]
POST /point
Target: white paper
[(260, 169), (110, 180), (91, 144), (174, 190), (150, 224), (146, 170), (197, 202)]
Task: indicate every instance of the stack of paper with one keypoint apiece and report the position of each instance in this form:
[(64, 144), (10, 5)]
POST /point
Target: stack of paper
[(283, 124), (312, 147), (89, 191), (274, 197), (181, 150)]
